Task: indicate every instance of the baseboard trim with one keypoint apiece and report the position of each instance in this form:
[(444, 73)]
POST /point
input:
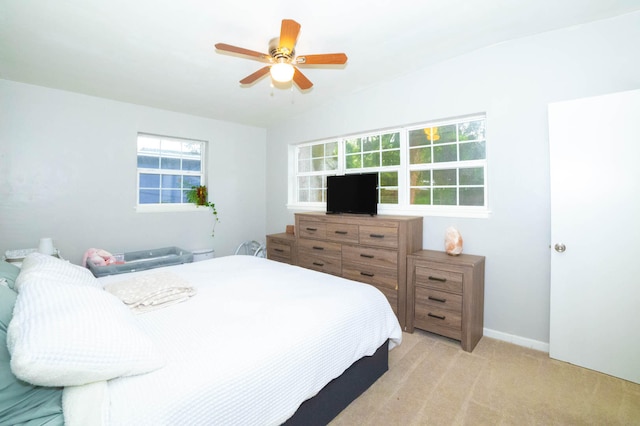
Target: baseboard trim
[(517, 340)]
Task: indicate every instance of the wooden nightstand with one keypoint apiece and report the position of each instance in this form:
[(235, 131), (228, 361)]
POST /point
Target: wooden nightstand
[(445, 295), (282, 247)]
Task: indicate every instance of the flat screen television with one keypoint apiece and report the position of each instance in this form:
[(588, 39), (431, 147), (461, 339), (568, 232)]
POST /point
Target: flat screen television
[(353, 193)]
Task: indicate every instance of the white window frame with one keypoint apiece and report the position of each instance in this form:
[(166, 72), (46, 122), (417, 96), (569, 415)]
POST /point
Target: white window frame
[(170, 207), (404, 170)]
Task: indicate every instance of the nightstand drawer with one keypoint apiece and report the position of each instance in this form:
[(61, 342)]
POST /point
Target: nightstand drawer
[(439, 279), (440, 321), (381, 236), (428, 298)]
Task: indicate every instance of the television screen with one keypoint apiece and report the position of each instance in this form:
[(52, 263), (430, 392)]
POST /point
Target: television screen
[(354, 193)]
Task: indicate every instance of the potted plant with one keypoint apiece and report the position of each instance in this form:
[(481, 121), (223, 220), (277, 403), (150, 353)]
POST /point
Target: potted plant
[(198, 195)]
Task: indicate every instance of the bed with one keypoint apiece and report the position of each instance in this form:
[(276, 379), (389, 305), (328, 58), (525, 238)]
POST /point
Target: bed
[(255, 342)]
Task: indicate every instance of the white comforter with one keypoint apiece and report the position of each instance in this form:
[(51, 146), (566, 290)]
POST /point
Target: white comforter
[(258, 339)]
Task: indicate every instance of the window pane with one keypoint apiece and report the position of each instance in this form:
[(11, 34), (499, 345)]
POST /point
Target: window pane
[(331, 149), (194, 148), (304, 166), (149, 196), (189, 181), (421, 178), (303, 196), (419, 137), (445, 177), (442, 154), (331, 163), (388, 179), (472, 176), (371, 143), (471, 130), (472, 151), (391, 140), (317, 150), (420, 156), (170, 163), (391, 158), (303, 182), (389, 195), (316, 182), (170, 147), (149, 180), (444, 134), (352, 146), (371, 159), (304, 153), (353, 161), (171, 181), (472, 196), (148, 162), (444, 196), (315, 196), (171, 196), (191, 165), (317, 164), (420, 196)]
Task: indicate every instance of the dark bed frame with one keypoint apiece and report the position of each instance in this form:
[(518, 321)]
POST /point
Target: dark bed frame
[(342, 390)]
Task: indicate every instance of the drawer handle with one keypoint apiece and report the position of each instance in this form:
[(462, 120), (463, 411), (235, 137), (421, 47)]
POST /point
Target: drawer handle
[(368, 256), (278, 250), (342, 232), (440, 317), (437, 299), (311, 229), (318, 248), (442, 280), (376, 235), (318, 264), (367, 274)]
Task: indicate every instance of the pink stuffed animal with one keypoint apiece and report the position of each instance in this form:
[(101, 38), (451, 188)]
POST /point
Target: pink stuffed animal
[(98, 257)]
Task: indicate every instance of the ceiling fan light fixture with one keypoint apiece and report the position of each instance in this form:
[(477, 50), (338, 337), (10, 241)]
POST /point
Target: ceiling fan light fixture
[(282, 72)]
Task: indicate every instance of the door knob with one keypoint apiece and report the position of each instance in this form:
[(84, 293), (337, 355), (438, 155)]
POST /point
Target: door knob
[(560, 248)]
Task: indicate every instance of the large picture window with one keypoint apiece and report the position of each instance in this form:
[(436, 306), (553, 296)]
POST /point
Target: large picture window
[(167, 168), (434, 168)]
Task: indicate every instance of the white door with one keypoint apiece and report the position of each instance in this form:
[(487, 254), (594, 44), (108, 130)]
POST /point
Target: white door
[(595, 233)]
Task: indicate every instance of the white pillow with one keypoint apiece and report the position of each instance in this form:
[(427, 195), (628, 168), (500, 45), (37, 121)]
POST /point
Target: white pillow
[(67, 335), (42, 266)]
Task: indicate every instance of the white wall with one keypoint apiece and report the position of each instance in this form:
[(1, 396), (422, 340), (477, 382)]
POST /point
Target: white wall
[(512, 82), (68, 171)]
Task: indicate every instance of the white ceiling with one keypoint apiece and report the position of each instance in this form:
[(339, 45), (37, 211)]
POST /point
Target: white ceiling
[(160, 53)]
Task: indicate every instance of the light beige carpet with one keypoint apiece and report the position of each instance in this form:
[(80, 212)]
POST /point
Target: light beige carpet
[(432, 381)]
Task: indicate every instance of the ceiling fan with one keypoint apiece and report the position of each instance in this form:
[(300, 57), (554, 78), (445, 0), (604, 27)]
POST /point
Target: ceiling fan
[(282, 59)]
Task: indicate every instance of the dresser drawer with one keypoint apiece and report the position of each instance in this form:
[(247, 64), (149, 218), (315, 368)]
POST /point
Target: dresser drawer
[(428, 298), (371, 274), (342, 232), (392, 297), (381, 236), (312, 229), (320, 248), (440, 321), (439, 279), (329, 265), (367, 255)]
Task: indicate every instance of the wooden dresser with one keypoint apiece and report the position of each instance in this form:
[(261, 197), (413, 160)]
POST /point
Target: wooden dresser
[(445, 295), (370, 249), (282, 247)]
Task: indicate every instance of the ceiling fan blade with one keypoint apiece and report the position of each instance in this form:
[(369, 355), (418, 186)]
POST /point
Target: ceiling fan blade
[(324, 59), (242, 51), (289, 34), (255, 76), (300, 80)]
